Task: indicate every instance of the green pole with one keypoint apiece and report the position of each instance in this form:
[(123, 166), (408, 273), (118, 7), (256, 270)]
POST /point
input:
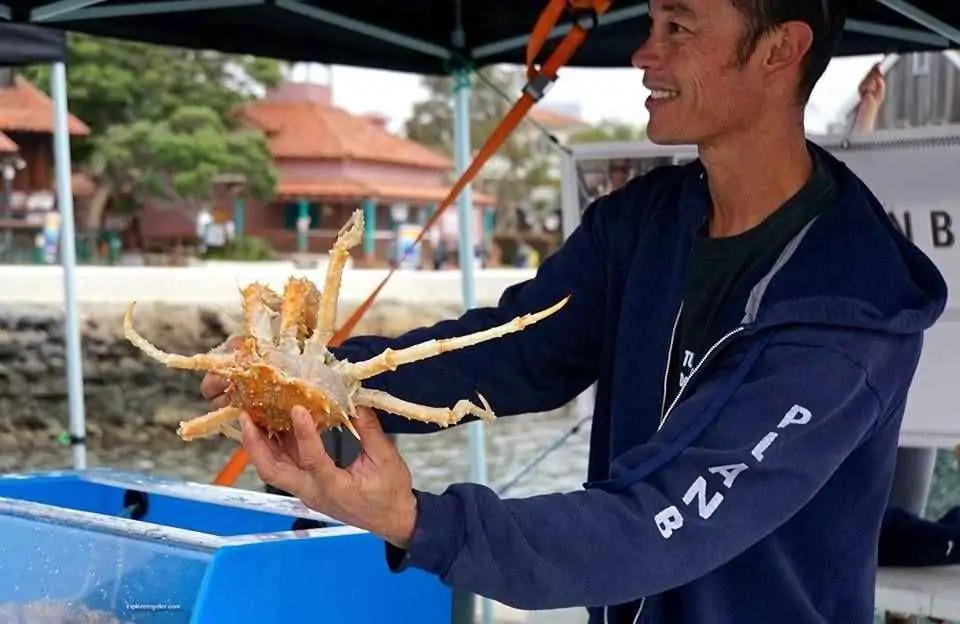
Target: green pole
[(238, 218), (369, 225), (303, 214)]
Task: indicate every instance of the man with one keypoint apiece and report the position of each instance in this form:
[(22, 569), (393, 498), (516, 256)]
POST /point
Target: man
[(753, 321)]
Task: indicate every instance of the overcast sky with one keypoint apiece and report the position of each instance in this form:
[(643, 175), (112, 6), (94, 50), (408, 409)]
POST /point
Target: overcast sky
[(601, 93)]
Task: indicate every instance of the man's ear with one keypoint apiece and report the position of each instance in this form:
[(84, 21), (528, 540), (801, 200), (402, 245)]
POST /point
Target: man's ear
[(785, 47)]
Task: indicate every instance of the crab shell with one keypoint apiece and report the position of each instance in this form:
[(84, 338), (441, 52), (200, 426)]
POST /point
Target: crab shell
[(268, 396)]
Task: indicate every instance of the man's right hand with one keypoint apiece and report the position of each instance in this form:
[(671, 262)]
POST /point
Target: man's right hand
[(212, 388)]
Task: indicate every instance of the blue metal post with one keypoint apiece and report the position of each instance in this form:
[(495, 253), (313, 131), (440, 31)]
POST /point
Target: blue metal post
[(461, 120), (68, 257)]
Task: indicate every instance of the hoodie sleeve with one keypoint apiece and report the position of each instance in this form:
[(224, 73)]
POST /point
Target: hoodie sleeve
[(749, 447), (537, 369)]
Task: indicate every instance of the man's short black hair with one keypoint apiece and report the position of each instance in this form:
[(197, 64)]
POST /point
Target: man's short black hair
[(826, 19)]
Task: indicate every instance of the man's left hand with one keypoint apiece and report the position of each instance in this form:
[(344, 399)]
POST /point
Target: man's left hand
[(374, 493)]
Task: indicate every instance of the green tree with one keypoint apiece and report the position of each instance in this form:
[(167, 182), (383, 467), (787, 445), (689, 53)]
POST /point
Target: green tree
[(180, 158), (520, 165), (113, 82), (609, 130), (128, 91)]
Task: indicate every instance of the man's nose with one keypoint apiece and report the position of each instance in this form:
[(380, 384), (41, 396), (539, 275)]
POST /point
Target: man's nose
[(647, 56)]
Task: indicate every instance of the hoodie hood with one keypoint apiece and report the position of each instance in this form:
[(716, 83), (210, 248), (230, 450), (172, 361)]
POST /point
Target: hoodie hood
[(896, 287)]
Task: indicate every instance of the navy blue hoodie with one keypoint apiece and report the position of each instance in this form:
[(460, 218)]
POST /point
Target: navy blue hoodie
[(757, 495)]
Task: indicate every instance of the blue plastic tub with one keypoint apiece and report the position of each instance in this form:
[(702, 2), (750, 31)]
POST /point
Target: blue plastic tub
[(146, 549)]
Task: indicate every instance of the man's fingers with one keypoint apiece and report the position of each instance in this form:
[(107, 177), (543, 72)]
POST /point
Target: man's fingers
[(220, 402), (375, 442), (212, 386), (311, 455), (269, 463)]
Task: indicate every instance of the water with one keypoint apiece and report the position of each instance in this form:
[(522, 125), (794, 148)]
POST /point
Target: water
[(439, 459), (436, 460)]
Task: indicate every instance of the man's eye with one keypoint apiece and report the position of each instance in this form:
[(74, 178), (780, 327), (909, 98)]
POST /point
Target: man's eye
[(675, 28)]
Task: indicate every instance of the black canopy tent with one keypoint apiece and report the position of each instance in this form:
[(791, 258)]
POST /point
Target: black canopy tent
[(421, 37), (23, 44)]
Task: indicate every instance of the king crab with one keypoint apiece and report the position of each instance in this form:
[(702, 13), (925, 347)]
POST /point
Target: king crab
[(280, 359)]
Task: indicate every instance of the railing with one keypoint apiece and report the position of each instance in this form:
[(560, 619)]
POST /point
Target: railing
[(91, 250)]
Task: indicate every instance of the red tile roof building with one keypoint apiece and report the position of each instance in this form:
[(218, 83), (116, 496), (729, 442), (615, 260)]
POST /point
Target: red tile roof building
[(333, 162), (26, 129)]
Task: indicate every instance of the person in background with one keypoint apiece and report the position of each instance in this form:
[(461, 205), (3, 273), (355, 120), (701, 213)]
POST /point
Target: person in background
[(872, 90), (618, 173)]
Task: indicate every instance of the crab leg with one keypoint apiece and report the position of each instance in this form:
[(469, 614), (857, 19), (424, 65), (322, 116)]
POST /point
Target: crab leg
[(209, 424), (296, 295), (349, 236), (257, 304), (202, 361), (311, 311), (389, 359), (227, 346), (229, 431), (442, 416)]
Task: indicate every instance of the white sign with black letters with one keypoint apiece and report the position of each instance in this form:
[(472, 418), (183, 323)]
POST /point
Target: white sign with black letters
[(918, 181)]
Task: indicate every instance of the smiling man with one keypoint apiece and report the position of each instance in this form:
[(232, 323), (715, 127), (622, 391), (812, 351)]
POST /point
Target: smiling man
[(754, 322)]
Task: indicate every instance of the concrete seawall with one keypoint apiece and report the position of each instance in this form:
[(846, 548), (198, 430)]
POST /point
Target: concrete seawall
[(218, 283)]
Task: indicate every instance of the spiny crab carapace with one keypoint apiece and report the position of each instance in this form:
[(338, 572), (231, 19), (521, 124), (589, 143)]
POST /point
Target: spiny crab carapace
[(280, 359)]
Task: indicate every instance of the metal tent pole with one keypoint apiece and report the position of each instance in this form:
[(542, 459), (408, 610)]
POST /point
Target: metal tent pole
[(68, 257), (461, 138), (478, 469)]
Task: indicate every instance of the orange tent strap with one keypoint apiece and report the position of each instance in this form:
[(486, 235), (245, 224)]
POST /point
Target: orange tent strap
[(234, 467), (560, 56)]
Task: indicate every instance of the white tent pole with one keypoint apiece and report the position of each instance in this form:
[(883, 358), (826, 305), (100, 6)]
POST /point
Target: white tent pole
[(462, 151), (461, 120), (68, 256), (466, 213)]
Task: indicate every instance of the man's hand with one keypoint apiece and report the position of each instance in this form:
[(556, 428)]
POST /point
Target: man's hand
[(375, 493), (212, 387)]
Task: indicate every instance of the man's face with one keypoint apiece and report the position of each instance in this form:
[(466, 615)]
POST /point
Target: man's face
[(699, 93)]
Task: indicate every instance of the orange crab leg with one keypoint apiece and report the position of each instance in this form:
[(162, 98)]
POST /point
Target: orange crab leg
[(208, 424), (203, 361), (349, 236), (443, 416), (390, 360), (258, 303), (296, 299)]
